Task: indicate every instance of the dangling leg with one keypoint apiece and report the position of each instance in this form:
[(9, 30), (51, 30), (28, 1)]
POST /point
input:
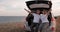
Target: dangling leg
[(44, 27)]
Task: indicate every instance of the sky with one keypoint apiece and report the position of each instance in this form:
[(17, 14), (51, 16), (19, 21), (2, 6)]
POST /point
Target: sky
[(16, 8)]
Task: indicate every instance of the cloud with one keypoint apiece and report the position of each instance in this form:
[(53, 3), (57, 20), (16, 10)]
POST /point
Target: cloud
[(12, 7), (16, 7)]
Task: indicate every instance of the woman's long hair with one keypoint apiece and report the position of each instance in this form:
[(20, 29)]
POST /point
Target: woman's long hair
[(50, 17)]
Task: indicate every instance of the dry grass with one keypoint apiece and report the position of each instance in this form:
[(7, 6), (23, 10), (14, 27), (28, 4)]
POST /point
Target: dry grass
[(12, 27), (58, 24), (19, 26)]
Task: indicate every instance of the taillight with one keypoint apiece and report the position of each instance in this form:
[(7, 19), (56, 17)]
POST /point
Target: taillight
[(53, 22), (52, 28)]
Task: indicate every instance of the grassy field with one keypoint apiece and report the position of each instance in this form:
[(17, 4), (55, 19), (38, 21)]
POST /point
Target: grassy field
[(12, 27), (19, 26), (58, 24)]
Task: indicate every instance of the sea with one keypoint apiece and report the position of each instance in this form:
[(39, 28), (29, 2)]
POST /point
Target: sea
[(6, 19)]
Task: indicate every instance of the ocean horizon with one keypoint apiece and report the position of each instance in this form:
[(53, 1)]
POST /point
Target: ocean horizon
[(5, 19)]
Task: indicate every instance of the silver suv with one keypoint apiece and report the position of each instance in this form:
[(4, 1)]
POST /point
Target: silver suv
[(52, 23), (40, 4)]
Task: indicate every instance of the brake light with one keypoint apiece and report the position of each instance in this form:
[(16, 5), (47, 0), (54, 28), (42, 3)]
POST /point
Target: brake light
[(52, 28)]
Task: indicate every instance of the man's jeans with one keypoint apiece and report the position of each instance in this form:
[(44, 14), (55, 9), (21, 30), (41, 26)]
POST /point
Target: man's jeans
[(44, 27), (34, 27)]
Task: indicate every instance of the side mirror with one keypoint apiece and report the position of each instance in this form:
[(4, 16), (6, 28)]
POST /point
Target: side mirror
[(55, 17)]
